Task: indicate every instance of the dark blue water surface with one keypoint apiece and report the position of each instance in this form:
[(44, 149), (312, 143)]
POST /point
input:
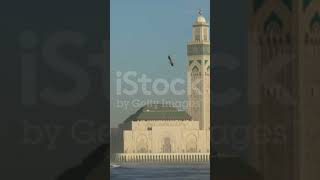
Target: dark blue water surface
[(161, 172)]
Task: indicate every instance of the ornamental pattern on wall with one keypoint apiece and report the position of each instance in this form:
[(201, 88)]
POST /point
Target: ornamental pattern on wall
[(198, 49)]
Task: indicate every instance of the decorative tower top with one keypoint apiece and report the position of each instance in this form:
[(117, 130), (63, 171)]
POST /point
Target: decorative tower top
[(200, 19), (200, 29)]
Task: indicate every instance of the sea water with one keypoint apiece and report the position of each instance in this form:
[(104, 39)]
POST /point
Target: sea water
[(161, 172)]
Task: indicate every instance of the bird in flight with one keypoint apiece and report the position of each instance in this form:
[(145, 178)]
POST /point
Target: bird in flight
[(171, 60)]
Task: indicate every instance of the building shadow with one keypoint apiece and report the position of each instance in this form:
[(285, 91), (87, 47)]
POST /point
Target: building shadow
[(94, 166), (230, 168)]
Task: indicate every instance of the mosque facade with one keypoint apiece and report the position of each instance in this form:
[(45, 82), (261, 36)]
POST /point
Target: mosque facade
[(158, 132)]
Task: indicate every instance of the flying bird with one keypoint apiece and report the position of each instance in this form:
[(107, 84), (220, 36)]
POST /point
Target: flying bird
[(171, 60)]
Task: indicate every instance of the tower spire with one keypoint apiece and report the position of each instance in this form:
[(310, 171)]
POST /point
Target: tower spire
[(200, 12)]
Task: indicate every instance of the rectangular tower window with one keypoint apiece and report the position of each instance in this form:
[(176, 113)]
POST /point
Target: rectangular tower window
[(197, 34), (206, 34)]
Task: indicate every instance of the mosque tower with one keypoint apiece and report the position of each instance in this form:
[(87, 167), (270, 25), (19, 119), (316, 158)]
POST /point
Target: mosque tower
[(199, 73)]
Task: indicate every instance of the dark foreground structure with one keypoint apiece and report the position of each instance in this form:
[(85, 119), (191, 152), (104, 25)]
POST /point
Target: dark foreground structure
[(93, 167), (232, 168)]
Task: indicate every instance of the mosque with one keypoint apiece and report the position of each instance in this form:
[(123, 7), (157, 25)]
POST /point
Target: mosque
[(158, 132)]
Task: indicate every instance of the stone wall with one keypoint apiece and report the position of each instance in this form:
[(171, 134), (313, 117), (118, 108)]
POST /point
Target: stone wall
[(166, 136)]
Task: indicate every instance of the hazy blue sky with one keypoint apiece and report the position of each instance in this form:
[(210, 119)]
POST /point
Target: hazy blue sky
[(143, 33)]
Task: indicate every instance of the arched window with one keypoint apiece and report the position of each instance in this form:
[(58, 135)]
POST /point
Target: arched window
[(273, 24), (195, 71), (273, 28), (142, 144), (166, 147), (191, 145), (315, 24)]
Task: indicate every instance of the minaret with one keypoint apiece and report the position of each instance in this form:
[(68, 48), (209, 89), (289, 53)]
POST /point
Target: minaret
[(199, 73), (284, 88)]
